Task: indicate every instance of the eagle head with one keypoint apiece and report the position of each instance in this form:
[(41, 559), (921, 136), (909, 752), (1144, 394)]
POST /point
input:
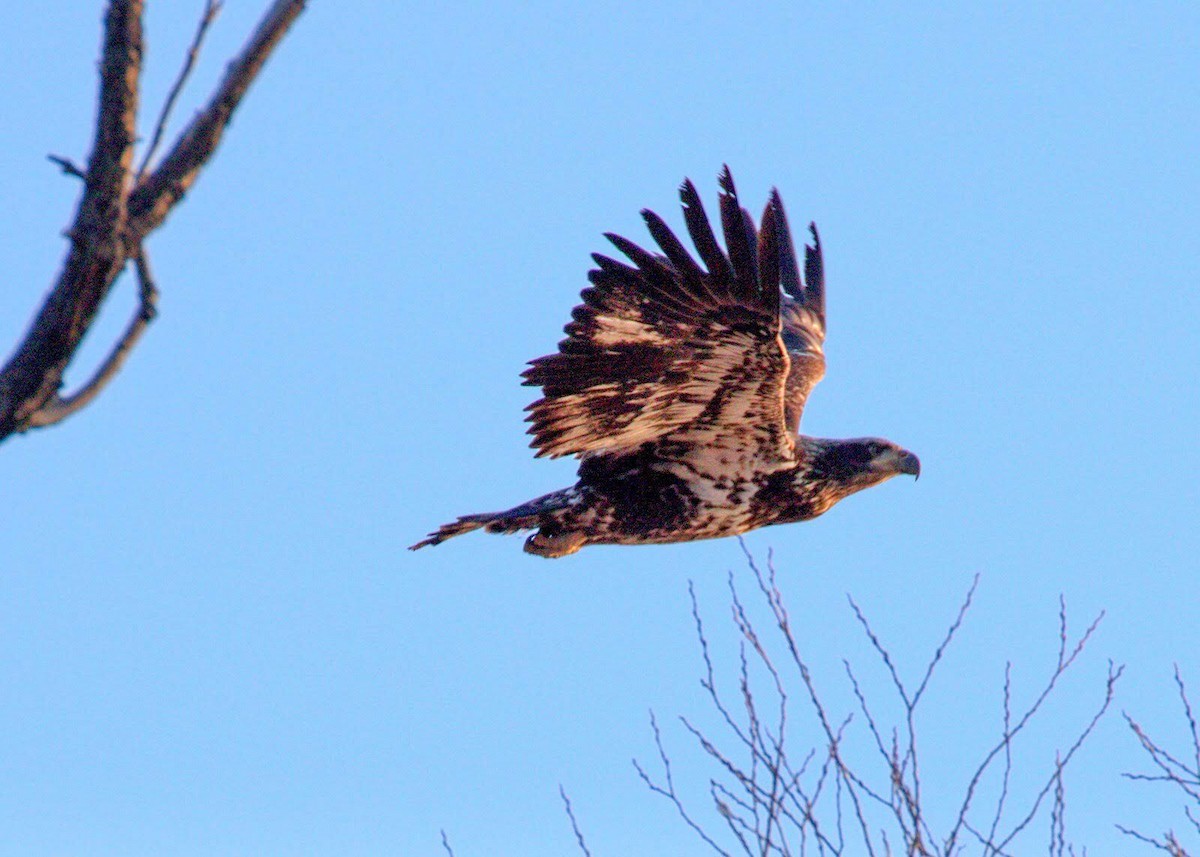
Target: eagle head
[(834, 469), (871, 458)]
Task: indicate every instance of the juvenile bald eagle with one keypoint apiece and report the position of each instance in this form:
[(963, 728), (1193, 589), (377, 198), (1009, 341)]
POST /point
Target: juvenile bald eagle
[(680, 389)]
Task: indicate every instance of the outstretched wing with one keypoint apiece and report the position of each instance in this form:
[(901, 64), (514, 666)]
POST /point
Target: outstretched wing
[(802, 311), (666, 344)]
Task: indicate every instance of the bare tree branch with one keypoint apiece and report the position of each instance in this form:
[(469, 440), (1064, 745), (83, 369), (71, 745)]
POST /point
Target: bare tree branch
[(1063, 664), (60, 407), (115, 215), (212, 8), (1172, 769), (157, 194), (574, 823), (34, 373), (1058, 811), (1114, 675)]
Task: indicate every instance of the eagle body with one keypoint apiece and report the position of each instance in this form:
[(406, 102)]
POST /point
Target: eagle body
[(658, 495), (680, 388)]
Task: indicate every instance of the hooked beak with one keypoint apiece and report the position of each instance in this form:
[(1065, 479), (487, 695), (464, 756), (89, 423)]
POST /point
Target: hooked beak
[(908, 463)]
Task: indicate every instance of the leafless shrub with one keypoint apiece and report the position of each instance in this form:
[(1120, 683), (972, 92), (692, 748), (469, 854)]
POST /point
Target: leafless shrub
[(826, 800), (1181, 772)]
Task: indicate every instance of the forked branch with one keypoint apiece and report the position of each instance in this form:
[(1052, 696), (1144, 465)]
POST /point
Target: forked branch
[(116, 213), (60, 407), (212, 8), (155, 196)]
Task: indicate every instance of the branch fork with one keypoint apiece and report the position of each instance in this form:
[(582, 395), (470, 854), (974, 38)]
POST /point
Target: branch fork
[(119, 209)]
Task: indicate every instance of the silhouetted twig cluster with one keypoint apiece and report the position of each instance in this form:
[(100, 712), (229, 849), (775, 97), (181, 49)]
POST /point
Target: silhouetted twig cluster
[(769, 799)]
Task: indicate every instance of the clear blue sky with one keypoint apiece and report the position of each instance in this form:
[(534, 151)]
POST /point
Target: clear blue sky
[(212, 640)]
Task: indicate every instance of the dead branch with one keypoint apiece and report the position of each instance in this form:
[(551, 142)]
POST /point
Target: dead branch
[(152, 200), (116, 213), (60, 407)]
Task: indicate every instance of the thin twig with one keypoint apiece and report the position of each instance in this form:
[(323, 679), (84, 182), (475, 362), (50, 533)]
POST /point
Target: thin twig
[(1114, 675), (211, 9), (68, 166), (668, 790), (1191, 720), (574, 824), (1168, 843), (1007, 775), (1184, 775), (950, 632), (1058, 813), (1063, 663)]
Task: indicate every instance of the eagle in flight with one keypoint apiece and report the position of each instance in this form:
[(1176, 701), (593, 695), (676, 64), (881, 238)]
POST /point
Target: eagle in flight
[(680, 385)]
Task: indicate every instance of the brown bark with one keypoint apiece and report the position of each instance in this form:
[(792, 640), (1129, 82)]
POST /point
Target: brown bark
[(116, 213)]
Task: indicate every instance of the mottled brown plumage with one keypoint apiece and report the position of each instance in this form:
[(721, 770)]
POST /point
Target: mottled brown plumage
[(680, 386)]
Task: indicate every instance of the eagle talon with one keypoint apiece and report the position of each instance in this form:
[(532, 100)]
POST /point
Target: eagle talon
[(554, 546)]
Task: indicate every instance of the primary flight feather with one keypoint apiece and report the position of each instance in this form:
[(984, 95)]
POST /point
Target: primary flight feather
[(680, 386)]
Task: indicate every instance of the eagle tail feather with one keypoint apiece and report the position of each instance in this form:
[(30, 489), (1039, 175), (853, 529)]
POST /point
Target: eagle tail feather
[(527, 516)]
